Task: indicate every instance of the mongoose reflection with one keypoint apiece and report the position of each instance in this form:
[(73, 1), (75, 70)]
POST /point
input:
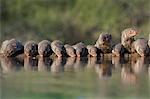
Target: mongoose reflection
[(44, 63), (30, 63), (127, 75), (10, 64)]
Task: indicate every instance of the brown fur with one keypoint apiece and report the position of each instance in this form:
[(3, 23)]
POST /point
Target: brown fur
[(127, 37), (11, 48), (31, 49), (104, 42), (44, 48), (140, 46)]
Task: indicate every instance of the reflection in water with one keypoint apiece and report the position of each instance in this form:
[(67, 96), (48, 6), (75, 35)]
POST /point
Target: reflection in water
[(57, 65), (138, 65), (130, 67), (104, 70), (44, 63), (149, 70), (69, 66), (127, 75), (92, 62), (103, 66), (80, 63), (30, 64), (117, 61), (10, 64), (130, 72)]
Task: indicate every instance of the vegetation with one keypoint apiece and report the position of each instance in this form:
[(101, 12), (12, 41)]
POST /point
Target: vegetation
[(72, 20)]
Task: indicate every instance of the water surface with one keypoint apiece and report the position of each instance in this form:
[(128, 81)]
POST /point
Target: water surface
[(75, 78)]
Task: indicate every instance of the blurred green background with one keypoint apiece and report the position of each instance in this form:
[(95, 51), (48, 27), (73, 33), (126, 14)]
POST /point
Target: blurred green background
[(72, 20)]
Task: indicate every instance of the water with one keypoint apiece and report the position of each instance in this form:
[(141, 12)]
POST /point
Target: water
[(70, 78)]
